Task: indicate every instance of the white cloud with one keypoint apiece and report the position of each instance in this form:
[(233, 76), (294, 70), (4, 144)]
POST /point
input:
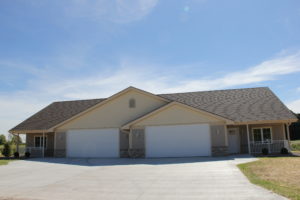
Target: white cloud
[(48, 86), (294, 106), (118, 11)]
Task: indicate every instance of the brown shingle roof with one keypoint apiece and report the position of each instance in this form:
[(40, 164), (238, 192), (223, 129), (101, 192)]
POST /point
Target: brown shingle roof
[(55, 113), (240, 105)]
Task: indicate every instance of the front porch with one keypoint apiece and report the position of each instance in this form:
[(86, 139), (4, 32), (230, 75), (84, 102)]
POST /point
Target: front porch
[(40, 144), (254, 138)]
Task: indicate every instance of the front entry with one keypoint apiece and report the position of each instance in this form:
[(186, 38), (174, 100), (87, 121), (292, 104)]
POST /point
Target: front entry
[(233, 140)]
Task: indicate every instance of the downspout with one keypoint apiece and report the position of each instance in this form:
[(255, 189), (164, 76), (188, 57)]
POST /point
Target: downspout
[(43, 150), (248, 137)]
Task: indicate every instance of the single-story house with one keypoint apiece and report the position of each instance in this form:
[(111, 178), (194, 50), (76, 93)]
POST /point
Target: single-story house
[(136, 123)]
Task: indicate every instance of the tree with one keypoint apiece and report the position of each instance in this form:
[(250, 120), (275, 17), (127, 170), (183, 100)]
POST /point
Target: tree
[(15, 138), (2, 139), (6, 150)]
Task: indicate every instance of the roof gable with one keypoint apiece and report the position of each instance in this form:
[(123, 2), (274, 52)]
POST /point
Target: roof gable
[(54, 114), (175, 113), (114, 112)]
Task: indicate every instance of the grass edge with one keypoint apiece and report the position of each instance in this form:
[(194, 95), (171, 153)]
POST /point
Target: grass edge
[(269, 185)]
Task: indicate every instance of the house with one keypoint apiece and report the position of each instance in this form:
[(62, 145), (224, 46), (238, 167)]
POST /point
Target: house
[(137, 123)]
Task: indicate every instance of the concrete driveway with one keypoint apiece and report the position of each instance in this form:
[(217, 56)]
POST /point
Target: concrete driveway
[(176, 178)]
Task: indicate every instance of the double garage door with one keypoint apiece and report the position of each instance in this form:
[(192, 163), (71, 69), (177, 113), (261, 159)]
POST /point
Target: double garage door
[(160, 141), (96, 143), (178, 141)]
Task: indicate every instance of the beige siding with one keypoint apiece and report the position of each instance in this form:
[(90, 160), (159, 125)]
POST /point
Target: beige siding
[(175, 115), (218, 135), (116, 112)]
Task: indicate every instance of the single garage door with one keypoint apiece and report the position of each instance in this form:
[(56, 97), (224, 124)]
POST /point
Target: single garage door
[(96, 143), (178, 141)]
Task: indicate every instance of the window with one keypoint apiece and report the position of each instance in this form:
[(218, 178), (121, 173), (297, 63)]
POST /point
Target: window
[(131, 103), (262, 135), (38, 141)]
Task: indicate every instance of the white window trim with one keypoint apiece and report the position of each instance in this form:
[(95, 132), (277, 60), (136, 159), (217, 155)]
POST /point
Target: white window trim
[(41, 136), (261, 134)]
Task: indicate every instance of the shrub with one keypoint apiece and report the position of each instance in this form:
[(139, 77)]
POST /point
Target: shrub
[(6, 150), (284, 151), (295, 145), (265, 151), (2, 139), (27, 154), (16, 155)]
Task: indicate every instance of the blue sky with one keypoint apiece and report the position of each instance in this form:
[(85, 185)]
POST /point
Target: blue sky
[(54, 50)]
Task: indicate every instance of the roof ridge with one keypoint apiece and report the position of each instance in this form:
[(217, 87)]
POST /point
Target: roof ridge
[(265, 87), (79, 100)]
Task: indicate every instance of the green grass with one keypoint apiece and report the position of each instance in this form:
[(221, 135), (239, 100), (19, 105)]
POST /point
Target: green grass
[(280, 175), (4, 162), (295, 145)]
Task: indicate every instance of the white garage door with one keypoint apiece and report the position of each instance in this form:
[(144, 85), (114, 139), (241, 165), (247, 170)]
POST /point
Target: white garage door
[(94, 143), (178, 141)]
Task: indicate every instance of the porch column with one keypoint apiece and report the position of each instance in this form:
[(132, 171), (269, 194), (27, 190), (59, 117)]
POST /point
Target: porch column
[(288, 134), (248, 138), (43, 148), (226, 135), (18, 136)]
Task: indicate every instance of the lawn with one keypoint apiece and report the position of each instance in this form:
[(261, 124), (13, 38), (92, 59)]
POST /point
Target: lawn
[(295, 145), (279, 174), (4, 162)]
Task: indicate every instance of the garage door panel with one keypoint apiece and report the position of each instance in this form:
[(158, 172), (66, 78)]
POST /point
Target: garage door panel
[(93, 143), (178, 141)]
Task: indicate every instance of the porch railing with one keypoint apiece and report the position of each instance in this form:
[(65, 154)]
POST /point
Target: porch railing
[(35, 151), (273, 146)]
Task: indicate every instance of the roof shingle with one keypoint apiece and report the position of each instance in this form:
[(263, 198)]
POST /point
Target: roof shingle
[(55, 113), (239, 105)]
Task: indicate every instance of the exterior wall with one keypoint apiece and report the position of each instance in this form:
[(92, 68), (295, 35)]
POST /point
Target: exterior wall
[(116, 112), (277, 131), (124, 144), (176, 115), (60, 144), (219, 146), (137, 143), (38, 153)]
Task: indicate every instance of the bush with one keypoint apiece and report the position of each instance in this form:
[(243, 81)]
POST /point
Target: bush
[(27, 154), (284, 150), (16, 155), (295, 145), (6, 150), (265, 151), (2, 139)]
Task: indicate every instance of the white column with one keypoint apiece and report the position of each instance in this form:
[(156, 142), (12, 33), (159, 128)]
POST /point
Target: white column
[(288, 131), (288, 134), (226, 135), (248, 137), (43, 150), (18, 136)]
